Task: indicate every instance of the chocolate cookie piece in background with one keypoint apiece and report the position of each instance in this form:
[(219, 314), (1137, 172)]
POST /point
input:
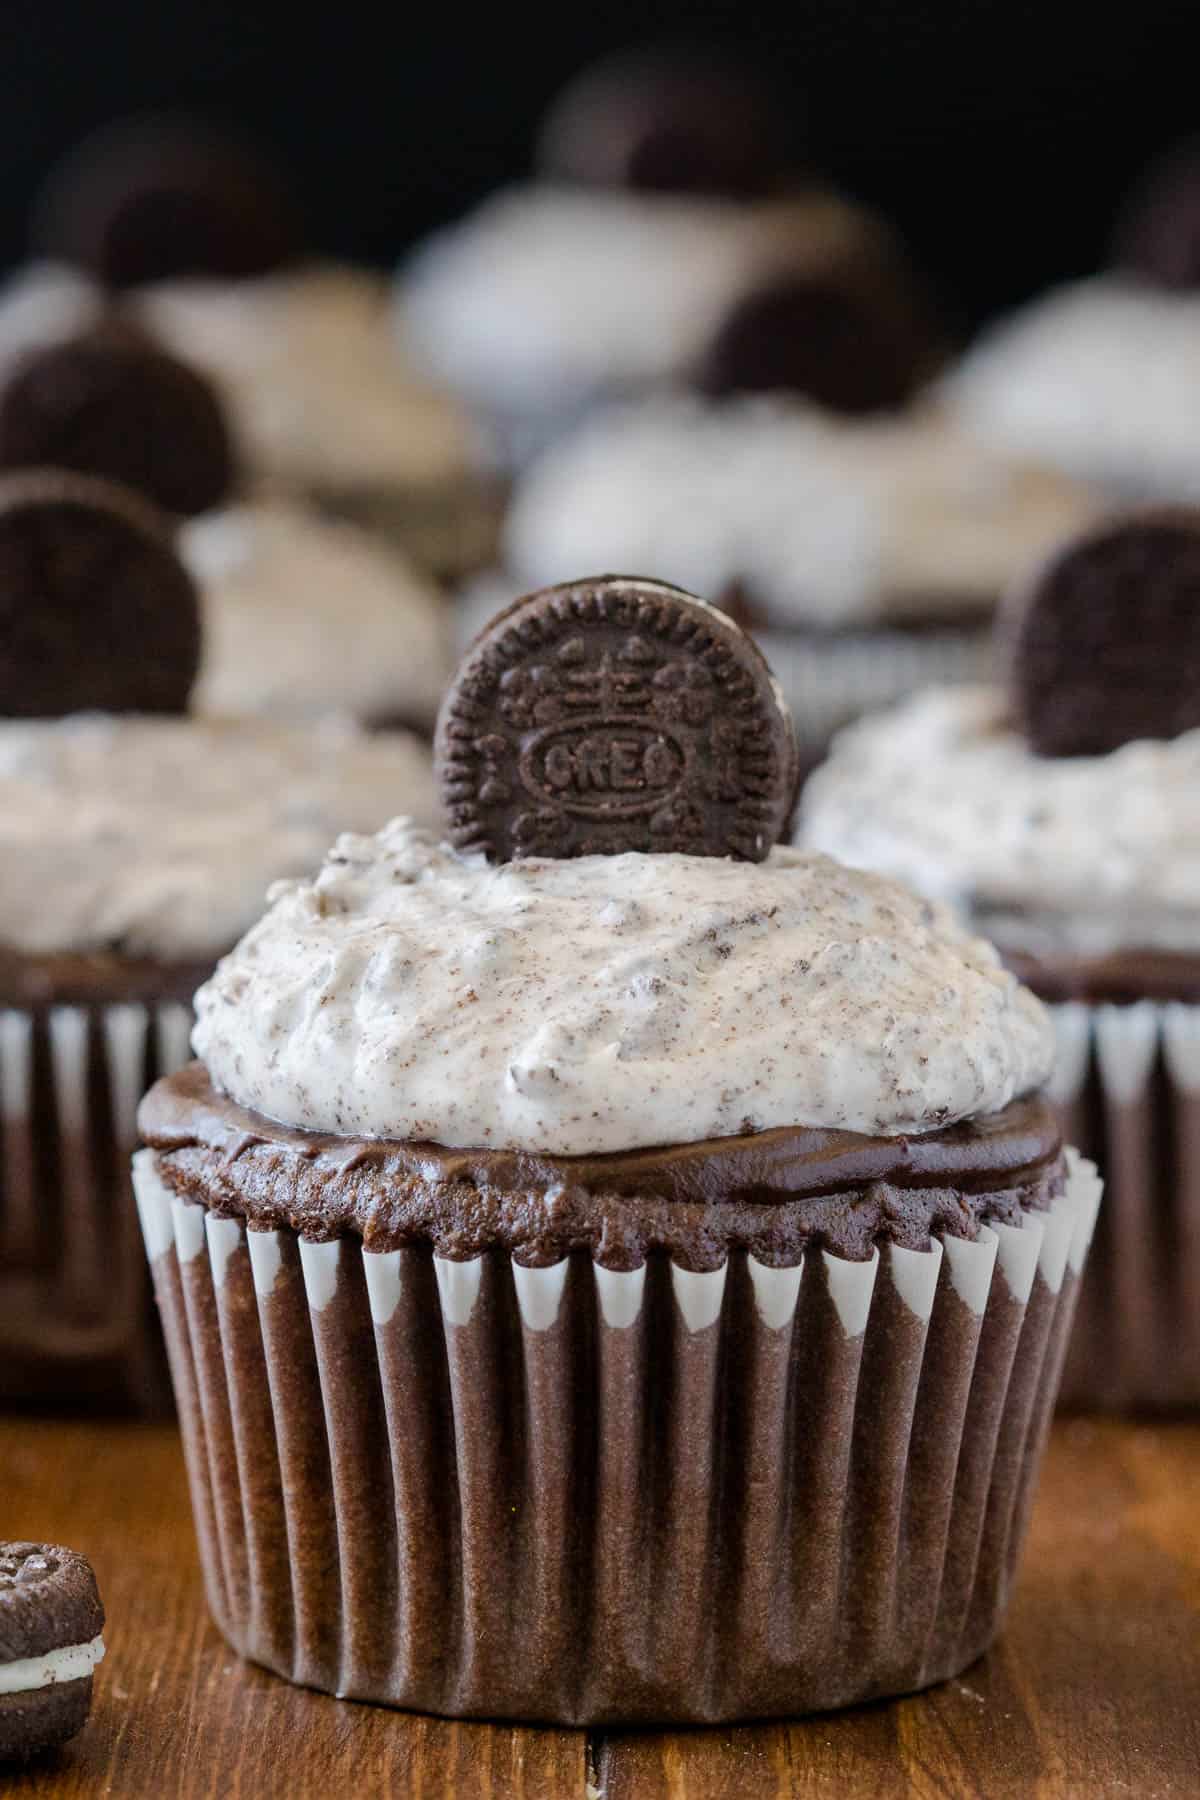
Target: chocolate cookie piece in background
[(97, 613), (1157, 234), (51, 1620), (158, 198), (1103, 644), (666, 122), (858, 338), (615, 714), (111, 403)]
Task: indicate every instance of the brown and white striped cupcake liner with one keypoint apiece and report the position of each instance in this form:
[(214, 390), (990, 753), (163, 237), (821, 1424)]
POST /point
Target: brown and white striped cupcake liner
[(1127, 1087), (585, 1494), (77, 1322)]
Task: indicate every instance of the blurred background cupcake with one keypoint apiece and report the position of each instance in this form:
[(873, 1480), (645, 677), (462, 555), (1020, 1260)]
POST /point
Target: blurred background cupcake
[(190, 233), (867, 555), (666, 200), (136, 844), (1060, 812)]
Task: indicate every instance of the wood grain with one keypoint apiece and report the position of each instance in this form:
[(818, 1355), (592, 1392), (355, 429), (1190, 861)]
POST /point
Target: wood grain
[(1093, 1691)]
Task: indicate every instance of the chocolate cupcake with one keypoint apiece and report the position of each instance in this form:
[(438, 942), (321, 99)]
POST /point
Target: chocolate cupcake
[(1060, 813), (867, 556), (579, 1308), (306, 616), (666, 239), (136, 846)]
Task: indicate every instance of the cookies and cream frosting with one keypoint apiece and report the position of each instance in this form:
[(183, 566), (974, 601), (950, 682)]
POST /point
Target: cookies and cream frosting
[(305, 616), (159, 837), (1085, 855), (1101, 378), (548, 296), (605, 1003), (317, 386), (822, 521)]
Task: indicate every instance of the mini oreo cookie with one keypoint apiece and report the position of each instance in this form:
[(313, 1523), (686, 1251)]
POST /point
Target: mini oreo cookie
[(110, 403), (1157, 233), (615, 714), (161, 198), (666, 123), (97, 613), (853, 341), (51, 1618), (1104, 644)]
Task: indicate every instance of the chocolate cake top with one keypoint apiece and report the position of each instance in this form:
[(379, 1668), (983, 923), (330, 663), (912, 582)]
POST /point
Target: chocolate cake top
[(48, 1602), (607, 1002)]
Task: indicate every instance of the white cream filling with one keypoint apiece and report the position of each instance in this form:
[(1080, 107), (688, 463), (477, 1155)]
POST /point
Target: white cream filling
[(70, 1663)]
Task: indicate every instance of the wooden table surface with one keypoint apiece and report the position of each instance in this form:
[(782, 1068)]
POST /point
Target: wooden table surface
[(1093, 1691)]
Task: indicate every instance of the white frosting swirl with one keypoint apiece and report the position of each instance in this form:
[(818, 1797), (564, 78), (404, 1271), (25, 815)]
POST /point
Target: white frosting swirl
[(828, 521), (160, 837), (316, 383), (1101, 379), (546, 296), (1086, 854), (610, 1002), (304, 616)]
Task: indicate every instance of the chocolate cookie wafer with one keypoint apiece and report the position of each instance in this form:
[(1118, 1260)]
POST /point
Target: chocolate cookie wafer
[(111, 403), (1104, 643), (97, 613), (51, 1618), (615, 714)]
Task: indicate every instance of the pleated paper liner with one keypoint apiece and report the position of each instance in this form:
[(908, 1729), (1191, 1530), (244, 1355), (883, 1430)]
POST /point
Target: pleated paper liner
[(77, 1321), (1128, 1091), (586, 1495)]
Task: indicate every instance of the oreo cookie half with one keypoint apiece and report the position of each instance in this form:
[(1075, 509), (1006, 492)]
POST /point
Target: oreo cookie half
[(97, 613), (155, 199), (1104, 644), (853, 341), (111, 403), (51, 1619), (615, 714), (668, 123)]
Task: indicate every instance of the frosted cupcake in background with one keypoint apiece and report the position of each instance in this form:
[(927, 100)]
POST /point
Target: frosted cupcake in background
[(549, 1224), (135, 846), (866, 555), (1101, 377), (662, 203), (1060, 813), (194, 236)]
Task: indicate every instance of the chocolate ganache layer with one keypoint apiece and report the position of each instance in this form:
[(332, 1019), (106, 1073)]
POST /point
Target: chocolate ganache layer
[(774, 1193)]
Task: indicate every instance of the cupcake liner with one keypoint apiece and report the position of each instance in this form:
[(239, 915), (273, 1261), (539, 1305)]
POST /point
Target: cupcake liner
[(76, 1321), (1127, 1088), (590, 1495)]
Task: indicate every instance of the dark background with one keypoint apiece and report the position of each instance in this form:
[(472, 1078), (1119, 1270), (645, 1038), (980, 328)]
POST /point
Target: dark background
[(998, 136)]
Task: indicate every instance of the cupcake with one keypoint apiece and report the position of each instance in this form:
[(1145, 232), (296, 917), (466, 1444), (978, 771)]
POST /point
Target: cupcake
[(306, 615), (1101, 377), (1060, 813), (867, 555), (614, 1268), (193, 235), (137, 846), (664, 240)]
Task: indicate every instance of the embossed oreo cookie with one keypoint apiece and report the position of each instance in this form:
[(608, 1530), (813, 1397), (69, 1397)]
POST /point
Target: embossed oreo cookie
[(97, 613), (154, 199), (51, 1619), (666, 123), (1104, 644), (110, 403), (855, 342), (615, 714)]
